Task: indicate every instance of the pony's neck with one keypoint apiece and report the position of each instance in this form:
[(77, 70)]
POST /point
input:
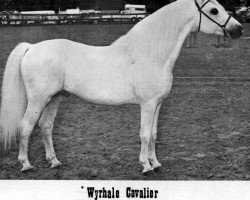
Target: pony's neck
[(160, 36)]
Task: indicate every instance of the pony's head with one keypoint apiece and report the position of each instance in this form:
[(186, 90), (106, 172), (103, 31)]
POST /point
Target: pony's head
[(212, 18)]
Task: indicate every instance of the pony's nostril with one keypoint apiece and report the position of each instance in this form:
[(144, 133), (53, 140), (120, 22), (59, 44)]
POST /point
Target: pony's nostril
[(236, 32), (241, 29)]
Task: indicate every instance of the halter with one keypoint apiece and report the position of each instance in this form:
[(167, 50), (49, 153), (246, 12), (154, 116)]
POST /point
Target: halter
[(201, 12)]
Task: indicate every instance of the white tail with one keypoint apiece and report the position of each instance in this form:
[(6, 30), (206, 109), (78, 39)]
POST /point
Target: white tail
[(13, 102)]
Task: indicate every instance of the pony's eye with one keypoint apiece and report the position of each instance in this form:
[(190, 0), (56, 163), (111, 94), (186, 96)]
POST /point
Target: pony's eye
[(214, 11)]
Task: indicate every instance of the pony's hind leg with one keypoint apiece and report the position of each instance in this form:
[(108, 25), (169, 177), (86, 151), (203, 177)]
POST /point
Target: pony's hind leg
[(46, 124), (42, 80), (31, 116)]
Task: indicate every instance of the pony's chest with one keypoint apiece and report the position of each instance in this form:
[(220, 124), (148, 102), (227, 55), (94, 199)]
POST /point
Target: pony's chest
[(164, 84), (154, 86)]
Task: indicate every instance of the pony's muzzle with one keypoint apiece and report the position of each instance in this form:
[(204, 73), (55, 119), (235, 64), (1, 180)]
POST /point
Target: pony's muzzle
[(236, 32)]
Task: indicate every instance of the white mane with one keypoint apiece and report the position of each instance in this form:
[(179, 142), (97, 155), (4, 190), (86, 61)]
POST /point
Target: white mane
[(161, 29)]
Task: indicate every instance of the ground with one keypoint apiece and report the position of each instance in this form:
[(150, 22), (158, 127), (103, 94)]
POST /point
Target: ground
[(204, 124)]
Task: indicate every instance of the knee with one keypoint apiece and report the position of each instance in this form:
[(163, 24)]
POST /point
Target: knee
[(145, 137)]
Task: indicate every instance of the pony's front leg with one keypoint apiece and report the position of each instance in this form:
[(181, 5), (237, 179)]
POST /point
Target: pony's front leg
[(152, 155), (147, 119)]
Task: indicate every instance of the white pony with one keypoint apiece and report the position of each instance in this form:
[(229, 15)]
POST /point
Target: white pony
[(135, 69)]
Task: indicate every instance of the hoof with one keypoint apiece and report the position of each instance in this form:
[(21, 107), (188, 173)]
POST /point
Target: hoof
[(157, 169), (55, 165), (148, 173), (157, 166), (27, 168), (147, 170)]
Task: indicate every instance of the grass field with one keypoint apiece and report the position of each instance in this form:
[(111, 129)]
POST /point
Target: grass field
[(204, 124)]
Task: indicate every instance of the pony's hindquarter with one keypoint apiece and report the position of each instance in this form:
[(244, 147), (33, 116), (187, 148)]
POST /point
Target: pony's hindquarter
[(13, 96)]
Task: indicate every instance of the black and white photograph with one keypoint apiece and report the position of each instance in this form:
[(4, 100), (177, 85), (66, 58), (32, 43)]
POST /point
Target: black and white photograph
[(125, 90)]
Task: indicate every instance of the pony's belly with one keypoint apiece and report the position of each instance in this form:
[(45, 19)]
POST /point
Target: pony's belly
[(102, 94), (99, 84), (104, 97)]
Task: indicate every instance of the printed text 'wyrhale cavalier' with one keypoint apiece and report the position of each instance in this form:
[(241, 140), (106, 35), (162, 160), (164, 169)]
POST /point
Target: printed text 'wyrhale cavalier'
[(131, 193)]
